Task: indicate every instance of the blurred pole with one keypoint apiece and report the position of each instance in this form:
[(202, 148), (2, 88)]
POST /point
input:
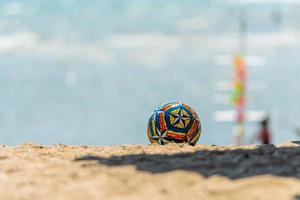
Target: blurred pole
[(243, 27), (240, 75)]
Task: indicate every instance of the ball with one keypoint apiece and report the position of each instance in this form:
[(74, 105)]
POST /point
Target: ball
[(174, 122)]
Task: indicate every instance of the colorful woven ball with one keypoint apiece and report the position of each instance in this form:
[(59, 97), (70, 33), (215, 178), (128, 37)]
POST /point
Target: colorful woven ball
[(174, 122)]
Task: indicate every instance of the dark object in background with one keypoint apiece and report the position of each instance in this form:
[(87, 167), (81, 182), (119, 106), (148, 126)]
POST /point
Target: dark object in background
[(264, 135)]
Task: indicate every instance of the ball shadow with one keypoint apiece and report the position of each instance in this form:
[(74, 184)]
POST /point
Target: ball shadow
[(234, 164)]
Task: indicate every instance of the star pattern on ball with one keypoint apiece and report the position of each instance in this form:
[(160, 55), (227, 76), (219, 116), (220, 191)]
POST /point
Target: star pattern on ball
[(160, 136), (173, 122), (179, 118)]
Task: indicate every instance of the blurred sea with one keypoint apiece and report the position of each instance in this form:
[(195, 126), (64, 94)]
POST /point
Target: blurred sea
[(91, 72)]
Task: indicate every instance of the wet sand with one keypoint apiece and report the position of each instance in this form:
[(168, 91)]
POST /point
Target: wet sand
[(144, 172)]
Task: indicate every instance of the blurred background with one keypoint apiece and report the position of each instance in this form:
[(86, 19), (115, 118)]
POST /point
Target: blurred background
[(92, 72)]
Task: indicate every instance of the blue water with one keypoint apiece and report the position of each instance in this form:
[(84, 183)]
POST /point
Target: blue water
[(91, 72)]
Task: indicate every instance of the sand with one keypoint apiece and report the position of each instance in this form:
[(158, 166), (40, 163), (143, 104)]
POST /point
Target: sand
[(144, 172)]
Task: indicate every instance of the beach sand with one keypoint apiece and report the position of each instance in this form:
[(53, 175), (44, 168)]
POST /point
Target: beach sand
[(144, 172)]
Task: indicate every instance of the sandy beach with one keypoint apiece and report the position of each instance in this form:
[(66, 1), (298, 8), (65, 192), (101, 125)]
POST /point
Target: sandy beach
[(31, 171)]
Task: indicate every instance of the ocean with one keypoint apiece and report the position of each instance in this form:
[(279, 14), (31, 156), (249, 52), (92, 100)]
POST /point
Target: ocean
[(92, 72)]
